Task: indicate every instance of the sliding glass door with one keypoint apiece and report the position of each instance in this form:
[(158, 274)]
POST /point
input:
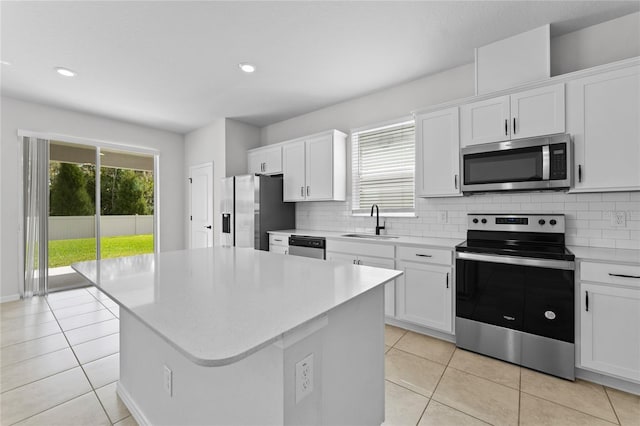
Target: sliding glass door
[(83, 202)]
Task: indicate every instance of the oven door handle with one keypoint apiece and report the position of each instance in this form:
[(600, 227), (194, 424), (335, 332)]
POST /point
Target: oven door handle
[(517, 260)]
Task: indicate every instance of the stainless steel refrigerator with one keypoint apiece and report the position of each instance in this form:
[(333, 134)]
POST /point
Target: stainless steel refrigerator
[(251, 205)]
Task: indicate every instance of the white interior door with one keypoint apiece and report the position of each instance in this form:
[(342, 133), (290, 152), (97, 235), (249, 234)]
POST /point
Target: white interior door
[(201, 208)]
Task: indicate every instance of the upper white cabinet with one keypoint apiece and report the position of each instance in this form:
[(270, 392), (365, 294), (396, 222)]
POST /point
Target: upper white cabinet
[(266, 161), (314, 168), (535, 112), (604, 119), (610, 319), (438, 154)]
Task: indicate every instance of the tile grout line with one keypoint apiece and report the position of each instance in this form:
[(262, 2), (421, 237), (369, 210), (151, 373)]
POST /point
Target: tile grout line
[(93, 389), (570, 408), (41, 378), (51, 408), (613, 407)]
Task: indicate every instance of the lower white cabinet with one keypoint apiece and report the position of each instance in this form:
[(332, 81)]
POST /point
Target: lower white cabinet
[(424, 295), (279, 249), (377, 262), (279, 243), (610, 329)]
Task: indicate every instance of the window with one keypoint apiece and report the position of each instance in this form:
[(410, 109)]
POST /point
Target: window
[(383, 168)]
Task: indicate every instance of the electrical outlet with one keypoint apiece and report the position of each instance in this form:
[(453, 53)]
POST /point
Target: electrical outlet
[(304, 378), (442, 217), (619, 219), (168, 381)]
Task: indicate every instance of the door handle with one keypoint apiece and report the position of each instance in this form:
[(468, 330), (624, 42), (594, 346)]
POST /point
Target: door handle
[(208, 226), (506, 127), (302, 191), (586, 301), (447, 280), (579, 172), (514, 125), (308, 191), (455, 181)]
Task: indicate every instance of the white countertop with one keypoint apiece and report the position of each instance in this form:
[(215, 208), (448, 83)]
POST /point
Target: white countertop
[(448, 243), (219, 305), (601, 254)]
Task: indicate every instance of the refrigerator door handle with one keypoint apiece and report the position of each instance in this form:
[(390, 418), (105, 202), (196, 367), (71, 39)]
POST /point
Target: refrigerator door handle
[(226, 223)]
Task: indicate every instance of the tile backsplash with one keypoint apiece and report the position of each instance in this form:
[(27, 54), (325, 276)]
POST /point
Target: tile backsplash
[(588, 216)]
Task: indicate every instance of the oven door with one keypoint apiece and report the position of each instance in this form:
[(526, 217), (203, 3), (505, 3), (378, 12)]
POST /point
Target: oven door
[(535, 296)]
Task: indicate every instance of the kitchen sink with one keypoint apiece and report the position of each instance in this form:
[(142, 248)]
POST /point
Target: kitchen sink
[(371, 236)]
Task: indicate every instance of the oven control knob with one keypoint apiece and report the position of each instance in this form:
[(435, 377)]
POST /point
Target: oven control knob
[(475, 220), (552, 222), (484, 221), (550, 315), (541, 222)]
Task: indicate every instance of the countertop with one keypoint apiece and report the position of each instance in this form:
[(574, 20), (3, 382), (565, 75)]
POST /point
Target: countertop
[(218, 305), (448, 243), (601, 254)]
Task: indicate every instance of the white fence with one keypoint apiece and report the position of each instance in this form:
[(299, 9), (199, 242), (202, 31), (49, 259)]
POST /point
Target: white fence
[(71, 227)]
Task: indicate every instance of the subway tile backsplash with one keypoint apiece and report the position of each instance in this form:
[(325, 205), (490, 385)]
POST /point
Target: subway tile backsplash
[(588, 216)]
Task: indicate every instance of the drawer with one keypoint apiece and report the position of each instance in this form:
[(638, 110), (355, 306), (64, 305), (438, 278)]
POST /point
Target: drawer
[(278, 240), (611, 273), (361, 249), (425, 255), (279, 249)]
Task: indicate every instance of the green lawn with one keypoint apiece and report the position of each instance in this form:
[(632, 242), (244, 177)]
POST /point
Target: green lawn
[(66, 252)]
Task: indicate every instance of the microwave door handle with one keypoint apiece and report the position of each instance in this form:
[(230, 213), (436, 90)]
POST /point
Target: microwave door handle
[(545, 162)]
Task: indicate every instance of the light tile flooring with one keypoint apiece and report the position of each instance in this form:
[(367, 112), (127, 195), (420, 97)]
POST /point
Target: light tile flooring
[(59, 365), (59, 361), (431, 382)]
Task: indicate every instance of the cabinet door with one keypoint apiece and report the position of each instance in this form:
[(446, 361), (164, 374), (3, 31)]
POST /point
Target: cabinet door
[(603, 113), (610, 330), (425, 295), (272, 159), (341, 258), (254, 162), (485, 121), (319, 168), (389, 288), (293, 164), (537, 112), (279, 249), (438, 154)]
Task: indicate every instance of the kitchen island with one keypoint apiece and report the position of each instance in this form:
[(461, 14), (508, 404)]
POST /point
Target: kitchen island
[(239, 336)]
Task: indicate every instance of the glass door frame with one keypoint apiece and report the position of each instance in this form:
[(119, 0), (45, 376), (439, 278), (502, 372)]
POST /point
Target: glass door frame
[(98, 145)]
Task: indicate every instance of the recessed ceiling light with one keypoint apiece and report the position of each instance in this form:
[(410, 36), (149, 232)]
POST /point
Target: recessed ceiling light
[(248, 68), (5, 62), (65, 72)]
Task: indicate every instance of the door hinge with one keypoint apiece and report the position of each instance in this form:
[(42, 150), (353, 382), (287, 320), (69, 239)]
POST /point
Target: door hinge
[(190, 180)]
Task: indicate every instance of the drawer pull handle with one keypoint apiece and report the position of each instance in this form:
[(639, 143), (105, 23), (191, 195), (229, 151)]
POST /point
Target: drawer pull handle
[(275, 239), (423, 255), (508, 318), (624, 276)]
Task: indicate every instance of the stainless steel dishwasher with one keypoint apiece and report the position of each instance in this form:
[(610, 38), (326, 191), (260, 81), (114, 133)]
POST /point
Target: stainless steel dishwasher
[(306, 246)]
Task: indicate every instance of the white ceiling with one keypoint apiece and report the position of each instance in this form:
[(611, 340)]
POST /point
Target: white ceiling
[(174, 65)]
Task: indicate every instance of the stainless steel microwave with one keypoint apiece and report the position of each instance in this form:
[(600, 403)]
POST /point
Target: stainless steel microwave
[(527, 164)]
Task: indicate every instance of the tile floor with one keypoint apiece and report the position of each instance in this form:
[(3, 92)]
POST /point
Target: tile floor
[(59, 365)]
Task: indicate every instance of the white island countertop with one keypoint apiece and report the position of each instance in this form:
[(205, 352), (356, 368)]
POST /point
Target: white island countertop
[(221, 304)]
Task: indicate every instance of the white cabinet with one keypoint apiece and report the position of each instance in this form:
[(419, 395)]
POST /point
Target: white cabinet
[(279, 243), (534, 112), (610, 319), (424, 295), (604, 119), (438, 154), (266, 161), (314, 168)]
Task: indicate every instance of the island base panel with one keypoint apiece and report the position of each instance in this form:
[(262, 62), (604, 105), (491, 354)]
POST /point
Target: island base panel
[(348, 348)]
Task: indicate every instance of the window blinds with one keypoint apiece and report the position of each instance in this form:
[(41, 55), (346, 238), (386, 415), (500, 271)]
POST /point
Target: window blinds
[(383, 168)]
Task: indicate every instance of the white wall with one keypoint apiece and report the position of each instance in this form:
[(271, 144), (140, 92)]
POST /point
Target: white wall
[(204, 145), (240, 137), (587, 214), (23, 115), (596, 45)]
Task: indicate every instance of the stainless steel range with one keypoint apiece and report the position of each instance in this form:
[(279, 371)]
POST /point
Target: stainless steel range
[(515, 291)]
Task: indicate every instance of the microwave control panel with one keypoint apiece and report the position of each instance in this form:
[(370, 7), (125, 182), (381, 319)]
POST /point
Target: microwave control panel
[(558, 159)]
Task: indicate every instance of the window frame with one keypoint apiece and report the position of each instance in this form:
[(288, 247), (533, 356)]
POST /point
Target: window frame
[(355, 170)]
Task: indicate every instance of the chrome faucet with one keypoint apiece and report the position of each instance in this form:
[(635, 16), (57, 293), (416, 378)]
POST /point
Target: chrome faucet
[(378, 227)]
